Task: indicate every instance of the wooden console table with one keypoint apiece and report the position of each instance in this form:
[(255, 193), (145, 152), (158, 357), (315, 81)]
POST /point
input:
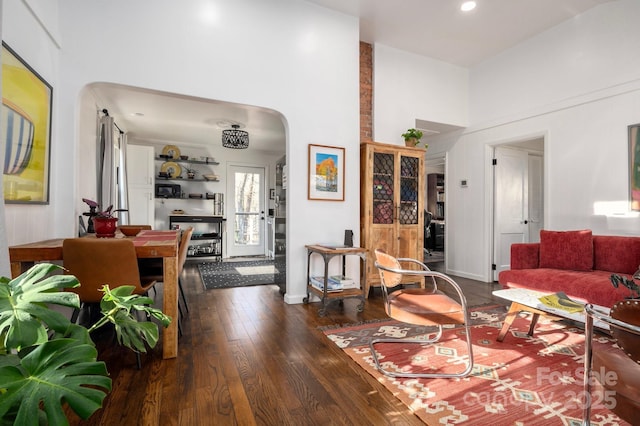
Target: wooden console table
[(327, 253)]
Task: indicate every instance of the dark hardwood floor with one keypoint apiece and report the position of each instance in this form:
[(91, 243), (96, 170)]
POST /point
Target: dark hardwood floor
[(247, 358)]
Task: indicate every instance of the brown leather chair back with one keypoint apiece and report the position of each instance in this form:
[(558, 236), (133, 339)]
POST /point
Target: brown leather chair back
[(99, 261)]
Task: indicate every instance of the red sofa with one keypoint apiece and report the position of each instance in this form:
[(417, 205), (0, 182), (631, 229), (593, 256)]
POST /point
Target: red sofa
[(575, 262)]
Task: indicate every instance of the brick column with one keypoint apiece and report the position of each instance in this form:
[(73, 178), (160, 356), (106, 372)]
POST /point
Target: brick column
[(366, 92)]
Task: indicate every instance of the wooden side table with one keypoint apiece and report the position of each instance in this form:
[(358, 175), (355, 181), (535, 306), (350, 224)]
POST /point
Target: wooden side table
[(327, 253)]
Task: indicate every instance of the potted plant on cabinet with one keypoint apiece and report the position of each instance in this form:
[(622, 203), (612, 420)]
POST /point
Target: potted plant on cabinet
[(412, 137), (46, 361)]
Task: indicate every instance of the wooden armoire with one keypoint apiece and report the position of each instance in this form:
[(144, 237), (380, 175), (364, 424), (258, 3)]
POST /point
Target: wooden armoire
[(392, 188)]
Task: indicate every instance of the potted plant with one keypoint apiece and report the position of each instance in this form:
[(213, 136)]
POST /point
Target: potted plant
[(104, 222), (412, 137), (617, 280), (46, 361)]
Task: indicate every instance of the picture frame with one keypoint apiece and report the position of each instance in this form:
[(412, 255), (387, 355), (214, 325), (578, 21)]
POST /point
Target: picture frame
[(326, 173), (272, 194), (26, 131), (634, 166)]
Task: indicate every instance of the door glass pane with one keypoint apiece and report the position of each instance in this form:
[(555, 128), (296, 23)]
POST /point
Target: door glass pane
[(408, 190), (383, 165), (247, 203)]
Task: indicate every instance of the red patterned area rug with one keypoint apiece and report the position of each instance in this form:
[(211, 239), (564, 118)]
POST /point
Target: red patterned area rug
[(520, 381)]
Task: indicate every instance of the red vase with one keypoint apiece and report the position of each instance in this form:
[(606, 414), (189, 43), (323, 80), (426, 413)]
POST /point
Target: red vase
[(105, 226)]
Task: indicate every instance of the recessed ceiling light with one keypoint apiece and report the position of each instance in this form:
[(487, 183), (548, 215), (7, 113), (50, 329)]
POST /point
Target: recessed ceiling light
[(468, 6)]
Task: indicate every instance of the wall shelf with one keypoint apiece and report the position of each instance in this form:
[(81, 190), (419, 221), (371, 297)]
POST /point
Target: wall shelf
[(178, 160)]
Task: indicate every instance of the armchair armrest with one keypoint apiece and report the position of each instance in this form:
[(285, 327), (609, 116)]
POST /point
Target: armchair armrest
[(525, 255)]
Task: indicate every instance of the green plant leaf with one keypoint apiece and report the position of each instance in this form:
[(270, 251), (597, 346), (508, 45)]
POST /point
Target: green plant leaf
[(117, 305), (52, 373), (24, 315)]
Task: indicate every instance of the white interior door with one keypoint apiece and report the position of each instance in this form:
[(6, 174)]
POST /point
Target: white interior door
[(511, 174), (246, 217)]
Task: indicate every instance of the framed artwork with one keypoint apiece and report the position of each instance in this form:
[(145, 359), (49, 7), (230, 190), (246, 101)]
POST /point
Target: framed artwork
[(326, 173), (25, 131), (634, 166)]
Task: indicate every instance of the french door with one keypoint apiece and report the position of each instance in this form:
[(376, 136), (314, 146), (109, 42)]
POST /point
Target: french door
[(246, 195)]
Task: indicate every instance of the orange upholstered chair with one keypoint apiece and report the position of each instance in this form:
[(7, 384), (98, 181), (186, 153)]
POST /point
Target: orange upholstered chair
[(614, 375), (420, 306), (99, 261)]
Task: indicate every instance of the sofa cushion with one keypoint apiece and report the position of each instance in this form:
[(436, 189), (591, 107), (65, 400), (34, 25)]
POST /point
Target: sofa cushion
[(525, 255), (593, 287), (616, 254), (568, 250)]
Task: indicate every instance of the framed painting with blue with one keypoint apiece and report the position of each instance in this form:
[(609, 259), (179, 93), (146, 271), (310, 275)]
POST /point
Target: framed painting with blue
[(326, 173), (25, 131)]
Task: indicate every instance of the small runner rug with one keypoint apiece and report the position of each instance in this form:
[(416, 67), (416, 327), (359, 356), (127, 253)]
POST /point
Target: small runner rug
[(240, 274), (522, 381)]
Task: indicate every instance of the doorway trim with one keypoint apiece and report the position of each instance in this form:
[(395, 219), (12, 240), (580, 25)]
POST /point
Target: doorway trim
[(436, 161)]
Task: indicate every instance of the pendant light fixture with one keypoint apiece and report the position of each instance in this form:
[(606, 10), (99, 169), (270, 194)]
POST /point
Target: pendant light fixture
[(235, 138)]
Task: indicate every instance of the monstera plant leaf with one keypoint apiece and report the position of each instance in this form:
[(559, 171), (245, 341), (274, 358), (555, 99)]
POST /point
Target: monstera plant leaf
[(53, 373), (24, 315), (118, 306), (45, 360)]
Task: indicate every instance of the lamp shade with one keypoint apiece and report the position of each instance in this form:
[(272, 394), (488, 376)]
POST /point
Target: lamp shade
[(235, 138)]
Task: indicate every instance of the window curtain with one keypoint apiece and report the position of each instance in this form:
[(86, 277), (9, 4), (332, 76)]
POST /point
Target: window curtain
[(105, 161)]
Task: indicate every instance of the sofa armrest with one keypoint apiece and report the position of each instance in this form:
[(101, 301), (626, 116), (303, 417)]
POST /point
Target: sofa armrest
[(525, 255)]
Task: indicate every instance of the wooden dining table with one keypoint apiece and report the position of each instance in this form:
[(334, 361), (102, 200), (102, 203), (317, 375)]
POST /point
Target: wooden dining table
[(148, 244)]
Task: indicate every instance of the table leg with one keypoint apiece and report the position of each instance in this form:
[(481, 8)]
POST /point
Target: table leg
[(534, 321), (508, 320), (17, 268), (170, 306)]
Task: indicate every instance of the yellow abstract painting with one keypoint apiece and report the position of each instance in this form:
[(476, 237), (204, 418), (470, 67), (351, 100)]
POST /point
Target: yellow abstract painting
[(25, 130)]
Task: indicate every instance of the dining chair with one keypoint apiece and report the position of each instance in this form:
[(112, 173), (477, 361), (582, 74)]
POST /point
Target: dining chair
[(153, 270), (425, 306), (612, 376), (96, 262)]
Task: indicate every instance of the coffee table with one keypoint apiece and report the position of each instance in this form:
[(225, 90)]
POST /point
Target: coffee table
[(529, 300)]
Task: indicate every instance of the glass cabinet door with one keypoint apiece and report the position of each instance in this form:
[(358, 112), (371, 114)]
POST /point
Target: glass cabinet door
[(409, 179), (383, 188)]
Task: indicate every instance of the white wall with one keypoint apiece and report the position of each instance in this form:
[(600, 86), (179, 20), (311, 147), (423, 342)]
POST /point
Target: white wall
[(567, 85), (4, 258), (291, 56), (594, 51), (410, 87)]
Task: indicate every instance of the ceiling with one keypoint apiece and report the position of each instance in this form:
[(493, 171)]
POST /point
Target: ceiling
[(438, 29), (434, 28)]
